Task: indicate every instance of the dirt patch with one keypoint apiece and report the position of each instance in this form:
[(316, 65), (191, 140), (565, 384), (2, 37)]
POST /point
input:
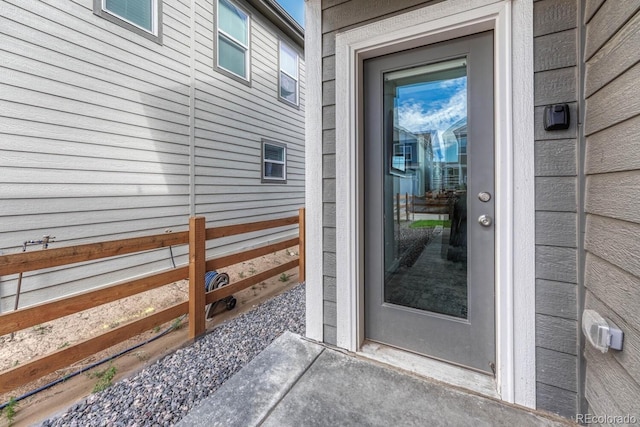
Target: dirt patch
[(43, 339)]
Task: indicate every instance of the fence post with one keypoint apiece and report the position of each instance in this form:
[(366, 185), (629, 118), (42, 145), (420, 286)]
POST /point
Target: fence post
[(413, 207), (301, 246), (197, 267), (406, 205)]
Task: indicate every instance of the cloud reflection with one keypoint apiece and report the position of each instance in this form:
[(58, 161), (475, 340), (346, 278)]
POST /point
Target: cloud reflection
[(433, 106)]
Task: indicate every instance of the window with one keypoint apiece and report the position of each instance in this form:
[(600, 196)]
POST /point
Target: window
[(140, 16), (233, 39), (274, 162), (288, 74)]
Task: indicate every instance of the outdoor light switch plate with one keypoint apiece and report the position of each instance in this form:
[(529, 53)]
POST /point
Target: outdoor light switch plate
[(556, 117)]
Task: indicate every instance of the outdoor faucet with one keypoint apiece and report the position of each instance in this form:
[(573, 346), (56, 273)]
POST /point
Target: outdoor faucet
[(44, 242)]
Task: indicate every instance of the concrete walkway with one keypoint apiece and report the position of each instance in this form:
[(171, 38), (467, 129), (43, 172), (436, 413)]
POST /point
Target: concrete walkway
[(295, 382)]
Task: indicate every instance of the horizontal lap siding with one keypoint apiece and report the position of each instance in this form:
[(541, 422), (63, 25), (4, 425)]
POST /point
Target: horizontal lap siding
[(555, 24), (556, 170), (95, 131), (612, 269), (231, 121), (94, 127)]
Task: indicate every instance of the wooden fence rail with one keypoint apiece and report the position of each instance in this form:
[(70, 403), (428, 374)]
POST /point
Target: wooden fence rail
[(196, 238)]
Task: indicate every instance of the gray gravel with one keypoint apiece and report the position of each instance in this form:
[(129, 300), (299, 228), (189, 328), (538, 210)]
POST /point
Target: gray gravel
[(164, 392)]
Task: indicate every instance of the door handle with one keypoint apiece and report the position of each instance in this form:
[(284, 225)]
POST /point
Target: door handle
[(485, 220)]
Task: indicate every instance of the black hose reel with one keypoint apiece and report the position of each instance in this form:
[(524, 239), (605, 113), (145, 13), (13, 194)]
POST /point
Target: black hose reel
[(214, 280)]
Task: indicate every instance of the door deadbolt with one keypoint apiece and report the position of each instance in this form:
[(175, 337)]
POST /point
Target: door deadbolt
[(484, 220), (484, 196)]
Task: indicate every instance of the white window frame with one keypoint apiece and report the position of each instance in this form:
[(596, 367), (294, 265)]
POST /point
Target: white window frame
[(280, 70), (270, 179), (154, 34), (247, 47)]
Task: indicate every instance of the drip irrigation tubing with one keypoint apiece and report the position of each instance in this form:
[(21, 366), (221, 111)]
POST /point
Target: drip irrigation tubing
[(93, 365)]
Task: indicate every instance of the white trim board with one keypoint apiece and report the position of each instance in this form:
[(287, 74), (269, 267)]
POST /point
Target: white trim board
[(313, 167), (515, 251), (430, 368)]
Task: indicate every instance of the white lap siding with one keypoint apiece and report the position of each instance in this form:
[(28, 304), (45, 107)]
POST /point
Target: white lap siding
[(97, 141)]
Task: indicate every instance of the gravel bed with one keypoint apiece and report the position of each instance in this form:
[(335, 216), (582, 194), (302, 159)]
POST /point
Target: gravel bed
[(411, 243), (164, 392)]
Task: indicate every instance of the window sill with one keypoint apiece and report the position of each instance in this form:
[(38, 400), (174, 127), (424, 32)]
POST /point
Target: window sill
[(233, 76), (157, 38)]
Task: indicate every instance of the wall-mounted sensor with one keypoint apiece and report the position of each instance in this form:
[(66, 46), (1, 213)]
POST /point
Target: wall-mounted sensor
[(601, 333), (556, 117)]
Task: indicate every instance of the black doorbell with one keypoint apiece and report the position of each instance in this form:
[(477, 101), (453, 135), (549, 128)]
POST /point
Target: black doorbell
[(556, 117)]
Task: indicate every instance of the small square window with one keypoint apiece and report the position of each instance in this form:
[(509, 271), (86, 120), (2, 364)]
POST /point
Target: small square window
[(140, 16), (274, 162), (288, 80), (233, 53)]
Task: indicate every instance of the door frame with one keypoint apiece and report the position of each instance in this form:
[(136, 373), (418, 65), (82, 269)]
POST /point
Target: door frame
[(515, 214)]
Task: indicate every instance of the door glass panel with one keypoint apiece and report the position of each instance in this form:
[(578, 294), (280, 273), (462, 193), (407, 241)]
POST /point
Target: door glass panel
[(425, 187)]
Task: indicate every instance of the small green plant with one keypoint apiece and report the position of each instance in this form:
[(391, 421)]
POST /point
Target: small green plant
[(254, 288), (177, 324), (10, 410), (63, 345), (241, 275), (284, 277), (16, 363), (156, 329), (252, 270), (104, 378)]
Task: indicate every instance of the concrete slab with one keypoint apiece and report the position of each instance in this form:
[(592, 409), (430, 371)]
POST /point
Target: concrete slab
[(297, 383), (246, 398), (339, 390)]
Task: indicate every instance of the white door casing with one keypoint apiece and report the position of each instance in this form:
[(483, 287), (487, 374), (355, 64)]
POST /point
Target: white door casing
[(515, 217)]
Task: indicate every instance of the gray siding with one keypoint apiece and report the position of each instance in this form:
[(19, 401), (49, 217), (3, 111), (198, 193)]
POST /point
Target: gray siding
[(231, 120), (556, 166), (96, 136), (338, 16), (612, 167), (557, 219)]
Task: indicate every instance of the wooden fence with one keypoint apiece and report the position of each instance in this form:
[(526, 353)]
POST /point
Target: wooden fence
[(404, 203), (196, 238)]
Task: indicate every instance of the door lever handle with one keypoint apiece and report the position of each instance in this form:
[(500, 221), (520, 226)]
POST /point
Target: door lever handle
[(485, 220)]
